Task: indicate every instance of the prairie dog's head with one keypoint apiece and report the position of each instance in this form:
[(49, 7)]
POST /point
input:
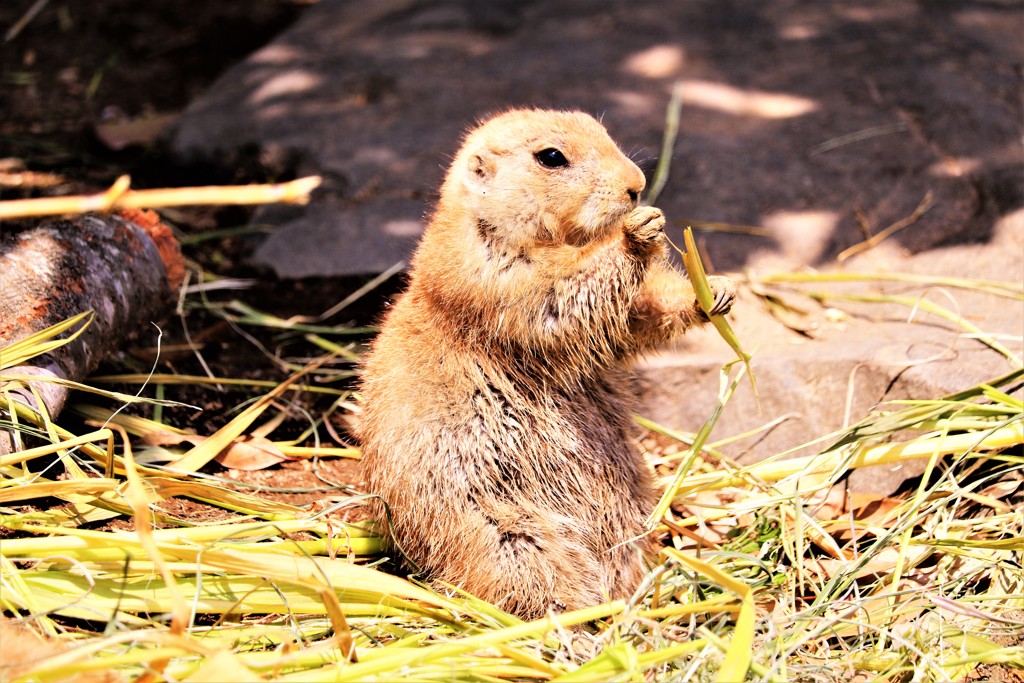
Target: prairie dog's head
[(534, 176)]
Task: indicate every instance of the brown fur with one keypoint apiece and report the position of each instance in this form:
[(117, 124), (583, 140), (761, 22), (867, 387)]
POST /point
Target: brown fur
[(22, 650), (496, 411)]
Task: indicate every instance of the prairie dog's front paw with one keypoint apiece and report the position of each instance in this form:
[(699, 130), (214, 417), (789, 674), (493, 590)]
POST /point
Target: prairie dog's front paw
[(724, 290), (645, 225)]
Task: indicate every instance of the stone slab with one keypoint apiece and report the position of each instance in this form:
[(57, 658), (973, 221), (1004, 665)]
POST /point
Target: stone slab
[(850, 364), (810, 120)]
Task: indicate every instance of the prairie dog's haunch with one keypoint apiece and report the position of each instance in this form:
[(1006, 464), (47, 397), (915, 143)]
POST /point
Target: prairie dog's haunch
[(496, 407)]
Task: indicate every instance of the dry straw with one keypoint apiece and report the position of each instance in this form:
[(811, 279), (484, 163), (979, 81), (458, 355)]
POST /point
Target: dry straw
[(120, 197), (759, 579)]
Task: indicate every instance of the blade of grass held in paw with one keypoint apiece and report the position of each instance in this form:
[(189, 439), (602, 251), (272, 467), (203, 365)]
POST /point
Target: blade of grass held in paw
[(706, 298)]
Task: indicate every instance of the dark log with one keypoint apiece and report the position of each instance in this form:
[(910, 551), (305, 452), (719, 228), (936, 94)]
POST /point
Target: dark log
[(127, 268)]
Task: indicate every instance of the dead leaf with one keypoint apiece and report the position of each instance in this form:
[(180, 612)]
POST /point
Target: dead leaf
[(161, 438), (250, 453), (247, 452), (870, 511)]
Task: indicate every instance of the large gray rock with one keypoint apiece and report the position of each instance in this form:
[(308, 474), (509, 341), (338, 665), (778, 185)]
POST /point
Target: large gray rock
[(808, 119), (851, 359), (813, 122)]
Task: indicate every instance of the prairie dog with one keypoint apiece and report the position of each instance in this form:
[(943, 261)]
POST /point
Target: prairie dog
[(496, 406)]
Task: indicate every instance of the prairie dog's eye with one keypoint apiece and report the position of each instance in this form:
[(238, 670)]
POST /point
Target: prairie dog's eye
[(551, 157)]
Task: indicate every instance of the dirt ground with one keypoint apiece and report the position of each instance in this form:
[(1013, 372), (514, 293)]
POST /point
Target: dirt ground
[(78, 66)]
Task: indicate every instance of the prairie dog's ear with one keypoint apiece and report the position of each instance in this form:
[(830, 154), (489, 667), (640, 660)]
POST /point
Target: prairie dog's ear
[(480, 169)]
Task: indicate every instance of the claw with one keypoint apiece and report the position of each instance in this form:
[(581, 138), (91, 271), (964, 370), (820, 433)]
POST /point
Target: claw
[(725, 294), (645, 224)]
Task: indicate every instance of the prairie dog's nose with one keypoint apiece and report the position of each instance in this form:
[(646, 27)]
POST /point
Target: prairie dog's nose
[(635, 185)]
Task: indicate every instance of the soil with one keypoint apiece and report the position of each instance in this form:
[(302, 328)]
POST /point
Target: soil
[(78, 70), (77, 64)]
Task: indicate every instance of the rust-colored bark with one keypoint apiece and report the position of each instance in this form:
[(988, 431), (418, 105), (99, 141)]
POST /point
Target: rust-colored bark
[(126, 268)]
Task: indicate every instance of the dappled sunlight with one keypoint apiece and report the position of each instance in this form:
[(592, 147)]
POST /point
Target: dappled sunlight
[(375, 155), (876, 13), (803, 235), (277, 53), (636, 104), (403, 228), (294, 82), (660, 61), (427, 46), (955, 167), (731, 100), (1007, 156), (799, 31)]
